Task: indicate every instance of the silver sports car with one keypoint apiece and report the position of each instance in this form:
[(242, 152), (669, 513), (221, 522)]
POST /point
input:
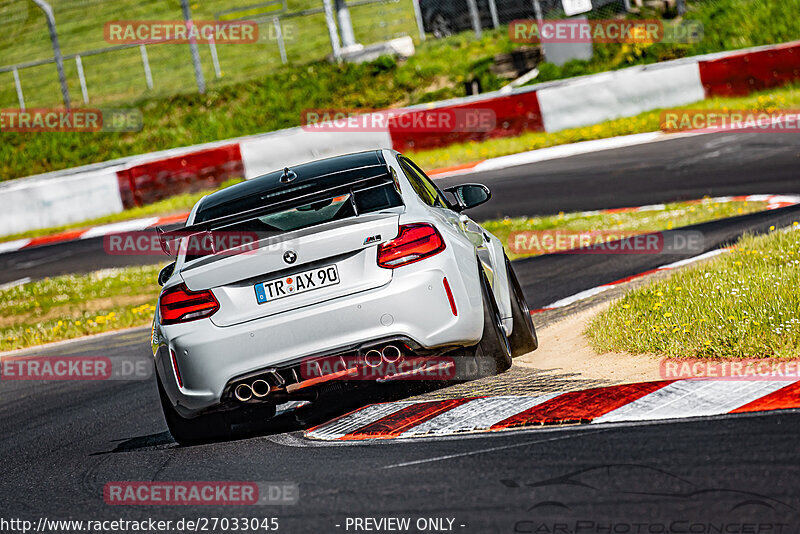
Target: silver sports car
[(356, 266)]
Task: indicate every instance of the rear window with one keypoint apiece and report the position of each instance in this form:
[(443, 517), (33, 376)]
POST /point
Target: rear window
[(368, 197)]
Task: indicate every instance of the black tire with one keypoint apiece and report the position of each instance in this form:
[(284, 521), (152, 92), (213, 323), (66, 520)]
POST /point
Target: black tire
[(192, 431), (523, 338), (494, 346)]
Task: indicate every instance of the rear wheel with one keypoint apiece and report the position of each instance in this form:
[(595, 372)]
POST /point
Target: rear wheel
[(494, 347), (523, 338), (195, 430)]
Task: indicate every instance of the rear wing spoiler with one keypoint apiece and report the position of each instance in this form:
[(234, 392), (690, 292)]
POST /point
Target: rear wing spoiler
[(206, 227)]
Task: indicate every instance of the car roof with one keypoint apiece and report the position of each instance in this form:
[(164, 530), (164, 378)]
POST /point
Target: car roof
[(311, 176)]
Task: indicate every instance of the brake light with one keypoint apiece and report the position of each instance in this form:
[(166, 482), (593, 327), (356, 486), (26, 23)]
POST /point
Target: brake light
[(179, 304), (415, 242)]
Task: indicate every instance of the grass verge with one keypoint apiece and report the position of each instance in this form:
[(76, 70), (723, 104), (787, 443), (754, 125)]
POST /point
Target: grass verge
[(741, 305), (649, 121), (71, 306)]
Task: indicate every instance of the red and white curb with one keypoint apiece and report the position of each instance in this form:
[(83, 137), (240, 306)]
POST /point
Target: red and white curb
[(132, 225), (646, 401)]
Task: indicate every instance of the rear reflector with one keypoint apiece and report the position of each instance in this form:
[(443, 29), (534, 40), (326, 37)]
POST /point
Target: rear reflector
[(450, 296), (175, 367), (415, 242), (179, 304)]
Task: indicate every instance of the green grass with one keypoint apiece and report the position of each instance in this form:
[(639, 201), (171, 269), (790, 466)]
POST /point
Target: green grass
[(258, 95), (649, 121), (744, 304), (70, 306), (168, 206), (274, 101), (728, 24), (674, 215), (118, 76)]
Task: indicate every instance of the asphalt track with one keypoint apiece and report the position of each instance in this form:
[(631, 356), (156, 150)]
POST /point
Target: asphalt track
[(62, 441)]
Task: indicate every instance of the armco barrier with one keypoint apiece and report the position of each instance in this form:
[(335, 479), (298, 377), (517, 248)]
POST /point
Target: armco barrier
[(154, 180), (41, 203), (624, 93), (514, 114), (101, 189), (742, 73)]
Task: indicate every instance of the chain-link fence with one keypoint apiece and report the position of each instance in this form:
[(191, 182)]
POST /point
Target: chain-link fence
[(97, 71), (100, 71)]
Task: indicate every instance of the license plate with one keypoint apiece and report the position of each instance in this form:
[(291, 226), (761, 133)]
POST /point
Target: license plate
[(296, 283)]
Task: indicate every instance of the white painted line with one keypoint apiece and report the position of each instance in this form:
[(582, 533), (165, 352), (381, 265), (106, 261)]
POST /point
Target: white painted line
[(120, 227), (354, 421), (704, 256), (477, 414), (11, 246), (692, 398), (15, 283), (580, 296)]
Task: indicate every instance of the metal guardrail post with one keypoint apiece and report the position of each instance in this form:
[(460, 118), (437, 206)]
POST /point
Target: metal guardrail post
[(212, 47), (198, 68), (493, 12), (420, 21), (18, 85), (345, 24), (82, 79), (148, 76), (276, 22), (476, 18), (330, 21), (51, 24)]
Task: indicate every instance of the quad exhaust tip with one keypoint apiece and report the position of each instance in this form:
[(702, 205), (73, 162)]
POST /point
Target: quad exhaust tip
[(260, 388), (391, 354), (373, 358), (243, 392)]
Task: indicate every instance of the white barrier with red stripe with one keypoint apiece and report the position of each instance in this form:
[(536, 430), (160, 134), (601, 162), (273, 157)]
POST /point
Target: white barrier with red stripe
[(81, 194), (624, 93)]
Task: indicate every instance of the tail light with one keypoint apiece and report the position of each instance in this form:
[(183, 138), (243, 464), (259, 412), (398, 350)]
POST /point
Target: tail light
[(179, 304), (415, 242)]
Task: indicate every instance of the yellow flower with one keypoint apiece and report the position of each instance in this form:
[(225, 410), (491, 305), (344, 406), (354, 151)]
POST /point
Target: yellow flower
[(771, 228), (668, 315), (626, 306), (731, 317), (77, 323)]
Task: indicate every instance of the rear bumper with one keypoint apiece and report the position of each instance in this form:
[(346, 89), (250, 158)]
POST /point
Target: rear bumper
[(414, 305)]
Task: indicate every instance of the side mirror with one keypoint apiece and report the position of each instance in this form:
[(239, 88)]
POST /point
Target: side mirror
[(470, 195), (166, 273)]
